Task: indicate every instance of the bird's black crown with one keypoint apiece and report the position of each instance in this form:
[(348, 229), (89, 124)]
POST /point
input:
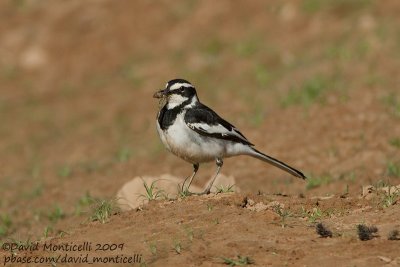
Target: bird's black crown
[(177, 81)]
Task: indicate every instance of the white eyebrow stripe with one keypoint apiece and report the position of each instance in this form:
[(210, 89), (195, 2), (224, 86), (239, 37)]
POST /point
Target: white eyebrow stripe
[(179, 85)]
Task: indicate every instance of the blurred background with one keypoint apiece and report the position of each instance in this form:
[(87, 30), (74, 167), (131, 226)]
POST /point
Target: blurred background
[(311, 82)]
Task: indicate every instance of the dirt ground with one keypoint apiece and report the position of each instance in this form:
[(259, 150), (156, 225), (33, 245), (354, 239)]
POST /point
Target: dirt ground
[(313, 83)]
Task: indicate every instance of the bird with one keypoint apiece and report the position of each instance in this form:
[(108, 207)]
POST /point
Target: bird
[(197, 134)]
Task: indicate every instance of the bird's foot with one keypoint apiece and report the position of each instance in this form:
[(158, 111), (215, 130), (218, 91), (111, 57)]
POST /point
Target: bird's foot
[(184, 192), (205, 192), (188, 193)]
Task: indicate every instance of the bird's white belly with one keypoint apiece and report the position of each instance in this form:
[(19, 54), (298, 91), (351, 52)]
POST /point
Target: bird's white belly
[(189, 145)]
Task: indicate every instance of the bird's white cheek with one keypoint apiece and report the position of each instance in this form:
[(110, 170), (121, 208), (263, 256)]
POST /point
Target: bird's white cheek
[(175, 100)]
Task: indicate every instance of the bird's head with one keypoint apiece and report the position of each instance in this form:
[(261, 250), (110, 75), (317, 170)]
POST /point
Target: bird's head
[(176, 92)]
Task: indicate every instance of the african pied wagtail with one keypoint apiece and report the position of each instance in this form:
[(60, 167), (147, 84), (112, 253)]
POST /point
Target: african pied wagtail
[(195, 133)]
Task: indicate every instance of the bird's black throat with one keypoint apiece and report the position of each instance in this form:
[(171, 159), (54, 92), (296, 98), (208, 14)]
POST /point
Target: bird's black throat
[(168, 116)]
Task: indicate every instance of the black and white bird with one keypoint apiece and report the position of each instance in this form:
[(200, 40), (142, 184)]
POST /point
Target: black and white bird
[(195, 133)]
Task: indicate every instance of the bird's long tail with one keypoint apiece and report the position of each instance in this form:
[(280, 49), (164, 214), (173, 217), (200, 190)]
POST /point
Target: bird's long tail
[(259, 155)]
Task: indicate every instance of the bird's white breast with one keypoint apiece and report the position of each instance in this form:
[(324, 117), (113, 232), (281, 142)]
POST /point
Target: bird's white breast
[(189, 145)]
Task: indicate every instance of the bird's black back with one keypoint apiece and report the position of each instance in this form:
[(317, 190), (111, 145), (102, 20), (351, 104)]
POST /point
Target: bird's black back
[(200, 113)]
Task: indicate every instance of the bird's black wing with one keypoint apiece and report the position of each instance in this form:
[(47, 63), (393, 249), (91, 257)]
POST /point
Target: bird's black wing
[(206, 122)]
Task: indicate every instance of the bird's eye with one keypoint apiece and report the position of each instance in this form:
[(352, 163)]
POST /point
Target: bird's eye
[(182, 89)]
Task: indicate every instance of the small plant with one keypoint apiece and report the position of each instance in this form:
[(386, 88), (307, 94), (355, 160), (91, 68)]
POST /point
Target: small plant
[(395, 142), (323, 231), (348, 177), (62, 233), (47, 231), (311, 90), (381, 183), (311, 6), (210, 207), (35, 171), (190, 234), (90, 166), (227, 189), (183, 192), (394, 235), (247, 47), (64, 171), (85, 201), (313, 215), (393, 102), (56, 214), (283, 214), (153, 248), (366, 232), (128, 72), (240, 261), (258, 114), (177, 247), (124, 154), (393, 169), (5, 224), (152, 192), (213, 47), (345, 192), (36, 191), (314, 181), (102, 210), (263, 75), (390, 197)]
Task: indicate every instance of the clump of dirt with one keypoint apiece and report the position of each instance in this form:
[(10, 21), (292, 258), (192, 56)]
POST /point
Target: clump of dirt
[(366, 232), (323, 231)]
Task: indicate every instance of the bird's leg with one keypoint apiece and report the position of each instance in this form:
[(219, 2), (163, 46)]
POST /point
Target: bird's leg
[(219, 163), (195, 169)]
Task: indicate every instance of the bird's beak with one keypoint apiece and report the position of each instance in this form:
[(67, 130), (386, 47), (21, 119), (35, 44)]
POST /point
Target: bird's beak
[(160, 94)]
